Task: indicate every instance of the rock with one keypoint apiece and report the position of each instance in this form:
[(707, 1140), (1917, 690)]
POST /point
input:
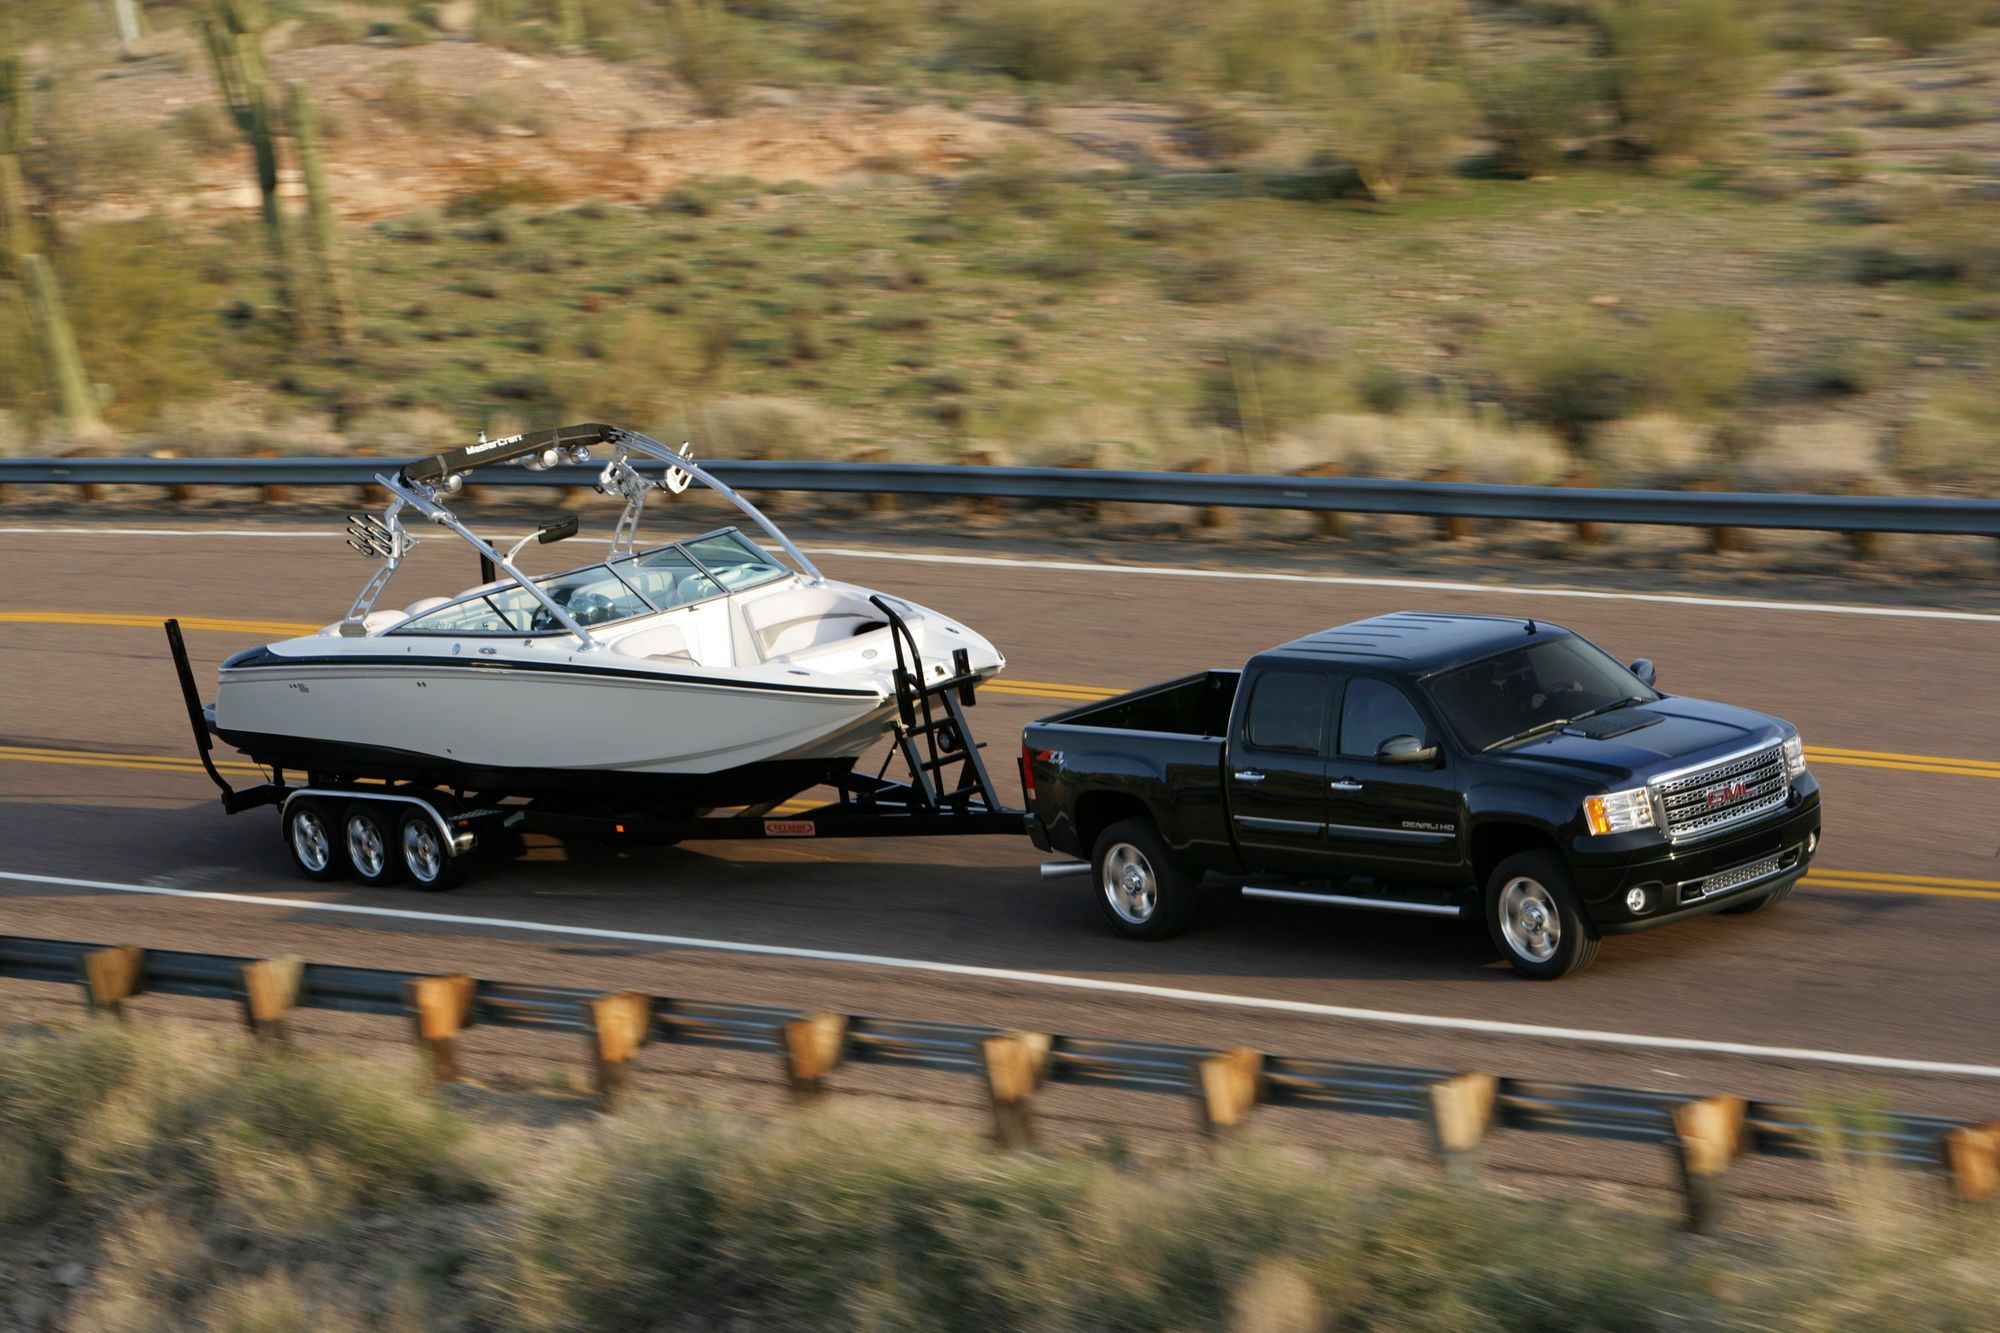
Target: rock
[(456, 15), (1606, 300), (72, 1274)]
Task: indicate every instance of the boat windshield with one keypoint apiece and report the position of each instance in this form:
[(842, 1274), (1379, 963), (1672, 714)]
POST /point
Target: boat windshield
[(735, 561)]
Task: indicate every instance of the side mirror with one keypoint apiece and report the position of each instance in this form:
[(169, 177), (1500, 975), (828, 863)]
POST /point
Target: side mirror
[(1405, 750), (555, 529), (1645, 671)]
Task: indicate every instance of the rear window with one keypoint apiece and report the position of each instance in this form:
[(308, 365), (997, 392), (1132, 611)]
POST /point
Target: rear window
[(1288, 712)]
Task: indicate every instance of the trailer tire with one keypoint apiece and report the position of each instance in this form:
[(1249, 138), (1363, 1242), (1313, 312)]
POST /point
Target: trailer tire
[(369, 834), (1143, 892), (313, 835), (427, 858)]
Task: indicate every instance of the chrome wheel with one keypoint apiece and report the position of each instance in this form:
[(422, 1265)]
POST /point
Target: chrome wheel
[(422, 851), (1130, 887), (365, 847), (1529, 919), (310, 842)]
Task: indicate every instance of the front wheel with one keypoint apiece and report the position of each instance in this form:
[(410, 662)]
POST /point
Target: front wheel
[(1143, 891), (1535, 918)]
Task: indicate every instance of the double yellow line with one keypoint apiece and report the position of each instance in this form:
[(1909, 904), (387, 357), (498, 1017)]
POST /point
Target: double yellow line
[(1869, 881), (1032, 689)]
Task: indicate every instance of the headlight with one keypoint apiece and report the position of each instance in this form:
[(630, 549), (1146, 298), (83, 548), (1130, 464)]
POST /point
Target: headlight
[(1795, 756), (1619, 811)]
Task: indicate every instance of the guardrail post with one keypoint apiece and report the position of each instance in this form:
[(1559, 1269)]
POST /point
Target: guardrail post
[(1708, 1135), (1016, 1064), (1861, 545), (1972, 1155), (878, 502), (1332, 523), (441, 1008), (1461, 1116), (812, 1047), (1722, 541), (1207, 517), (270, 989), (982, 504), (620, 1024), (1589, 532), (1451, 527), (1229, 1084), (112, 976)]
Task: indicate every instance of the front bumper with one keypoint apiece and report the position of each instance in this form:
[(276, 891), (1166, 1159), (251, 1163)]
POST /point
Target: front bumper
[(1693, 879)]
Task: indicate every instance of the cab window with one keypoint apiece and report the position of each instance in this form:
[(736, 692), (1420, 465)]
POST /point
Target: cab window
[(1372, 712), (1288, 712)]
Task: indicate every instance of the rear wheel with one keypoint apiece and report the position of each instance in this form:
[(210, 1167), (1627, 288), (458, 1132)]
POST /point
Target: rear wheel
[(317, 849), (370, 835), (1143, 891), (428, 859), (1535, 918), (1761, 903)]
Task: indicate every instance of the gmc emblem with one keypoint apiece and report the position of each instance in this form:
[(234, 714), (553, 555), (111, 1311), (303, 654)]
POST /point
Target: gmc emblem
[(1727, 792)]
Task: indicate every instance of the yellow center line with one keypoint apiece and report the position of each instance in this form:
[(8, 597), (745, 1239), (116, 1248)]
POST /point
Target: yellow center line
[(1831, 756), (1843, 882)]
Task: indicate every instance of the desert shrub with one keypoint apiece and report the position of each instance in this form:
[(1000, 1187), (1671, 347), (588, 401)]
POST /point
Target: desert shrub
[(1530, 107), (1579, 377), (1270, 46), (1269, 382), (1920, 25), (712, 51), (1696, 361), (1212, 275), (1943, 113), (1390, 116), (1221, 132), (1082, 245), (855, 29), (1675, 69), (1046, 41), (206, 128), (489, 191), (1953, 440)]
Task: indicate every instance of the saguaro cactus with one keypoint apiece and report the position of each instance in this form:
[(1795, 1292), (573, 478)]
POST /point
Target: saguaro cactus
[(74, 396), (233, 32), (329, 270)]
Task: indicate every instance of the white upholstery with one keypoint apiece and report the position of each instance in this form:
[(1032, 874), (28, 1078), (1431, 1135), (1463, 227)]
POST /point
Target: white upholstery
[(791, 622), (659, 641)]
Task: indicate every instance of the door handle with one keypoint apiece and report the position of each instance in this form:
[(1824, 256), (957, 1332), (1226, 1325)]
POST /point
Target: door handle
[(1345, 785), (1248, 775)]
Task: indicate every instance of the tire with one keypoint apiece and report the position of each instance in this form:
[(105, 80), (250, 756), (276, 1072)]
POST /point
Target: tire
[(312, 835), (1535, 918), (427, 859), (1143, 892), (1763, 902), (369, 834)]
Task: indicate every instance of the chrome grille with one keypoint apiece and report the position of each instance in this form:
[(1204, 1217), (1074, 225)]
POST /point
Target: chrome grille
[(1724, 794), (1734, 877)]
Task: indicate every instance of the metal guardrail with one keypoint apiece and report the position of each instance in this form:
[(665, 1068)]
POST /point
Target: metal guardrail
[(1705, 1133), (1931, 515)]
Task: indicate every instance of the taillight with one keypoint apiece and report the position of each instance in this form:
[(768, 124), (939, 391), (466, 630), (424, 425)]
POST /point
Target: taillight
[(1027, 770)]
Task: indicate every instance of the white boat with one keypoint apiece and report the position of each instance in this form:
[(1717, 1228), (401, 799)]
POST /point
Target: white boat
[(712, 671)]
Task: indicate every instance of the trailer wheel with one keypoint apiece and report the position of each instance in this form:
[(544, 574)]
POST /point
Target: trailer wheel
[(370, 831), (430, 862), (318, 851), (1142, 890)]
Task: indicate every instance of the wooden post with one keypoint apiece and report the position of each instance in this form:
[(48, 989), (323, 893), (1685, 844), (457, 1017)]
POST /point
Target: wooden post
[(1708, 1135), (91, 492), (1016, 1063), (1089, 511), (112, 976), (275, 493), (1862, 545), (982, 506), (812, 1048), (1721, 541), (1206, 517), (1972, 1155), (877, 502), (270, 989), (1589, 532), (1229, 1084), (1331, 523), (1461, 1116), (619, 1025), (1451, 527), (441, 1008)]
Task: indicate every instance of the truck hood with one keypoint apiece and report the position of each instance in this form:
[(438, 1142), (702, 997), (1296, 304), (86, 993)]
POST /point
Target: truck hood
[(1672, 733)]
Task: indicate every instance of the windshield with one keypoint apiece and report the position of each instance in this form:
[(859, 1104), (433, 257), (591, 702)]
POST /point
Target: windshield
[(592, 596), (734, 560), (1530, 689)]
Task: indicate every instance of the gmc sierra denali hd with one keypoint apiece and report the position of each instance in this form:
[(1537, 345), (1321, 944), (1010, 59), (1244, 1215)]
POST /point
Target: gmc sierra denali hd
[(1440, 764)]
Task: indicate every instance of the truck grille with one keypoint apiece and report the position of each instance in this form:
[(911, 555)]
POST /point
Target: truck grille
[(1714, 798), (1734, 878)]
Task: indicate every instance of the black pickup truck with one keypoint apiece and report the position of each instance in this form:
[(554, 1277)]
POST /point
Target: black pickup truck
[(1440, 764)]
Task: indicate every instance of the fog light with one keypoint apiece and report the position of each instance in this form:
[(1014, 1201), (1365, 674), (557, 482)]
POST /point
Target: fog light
[(1638, 901), (1812, 842)]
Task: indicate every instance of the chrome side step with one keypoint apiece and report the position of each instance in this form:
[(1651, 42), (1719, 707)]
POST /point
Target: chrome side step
[(1064, 869), (1344, 900)]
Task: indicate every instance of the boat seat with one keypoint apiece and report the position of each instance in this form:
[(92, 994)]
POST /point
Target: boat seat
[(660, 643), (792, 622)]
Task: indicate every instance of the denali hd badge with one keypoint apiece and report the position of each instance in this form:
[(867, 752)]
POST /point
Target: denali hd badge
[(1717, 797)]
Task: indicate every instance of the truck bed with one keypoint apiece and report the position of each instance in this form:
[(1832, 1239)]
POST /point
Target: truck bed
[(1196, 705)]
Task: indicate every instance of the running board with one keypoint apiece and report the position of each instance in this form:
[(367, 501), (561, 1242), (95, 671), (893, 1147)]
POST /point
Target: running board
[(1064, 869), (1344, 900)]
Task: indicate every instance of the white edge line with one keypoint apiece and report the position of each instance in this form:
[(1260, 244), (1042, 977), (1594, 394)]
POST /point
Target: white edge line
[(1060, 981), (1177, 571)]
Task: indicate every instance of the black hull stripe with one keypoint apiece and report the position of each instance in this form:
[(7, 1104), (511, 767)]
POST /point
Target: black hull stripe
[(262, 659)]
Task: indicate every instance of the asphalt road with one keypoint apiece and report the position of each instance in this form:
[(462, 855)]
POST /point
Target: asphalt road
[(1889, 951)]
